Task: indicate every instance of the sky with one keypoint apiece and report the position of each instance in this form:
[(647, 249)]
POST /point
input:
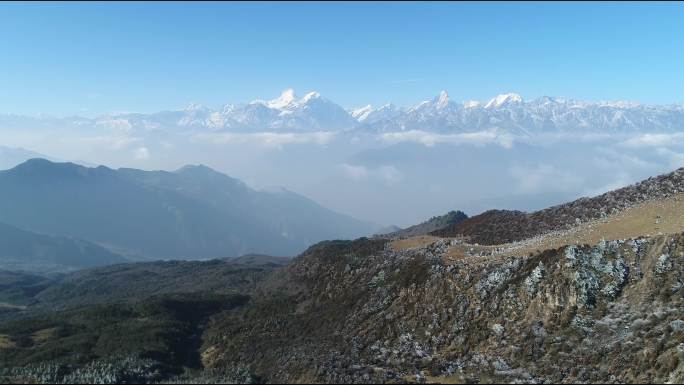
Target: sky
[(95, 58)]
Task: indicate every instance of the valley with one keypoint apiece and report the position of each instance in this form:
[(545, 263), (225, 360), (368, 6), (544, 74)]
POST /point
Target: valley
[(591, 300)]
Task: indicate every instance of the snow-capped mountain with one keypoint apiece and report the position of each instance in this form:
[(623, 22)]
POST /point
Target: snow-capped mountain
[(383, 118), (362, 113), (288, 113), (503, 100), (510, 113)]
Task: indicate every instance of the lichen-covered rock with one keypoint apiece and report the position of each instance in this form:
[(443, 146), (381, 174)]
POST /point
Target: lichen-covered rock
[(532, 281), (117, 370), (498, 329), (575, 314), (663, 264), (677, 325)]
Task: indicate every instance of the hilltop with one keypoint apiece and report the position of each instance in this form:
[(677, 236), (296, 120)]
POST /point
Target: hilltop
[(433, 224), (500, 226)]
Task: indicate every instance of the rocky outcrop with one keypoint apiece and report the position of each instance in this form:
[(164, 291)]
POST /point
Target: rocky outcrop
[(361, 312)]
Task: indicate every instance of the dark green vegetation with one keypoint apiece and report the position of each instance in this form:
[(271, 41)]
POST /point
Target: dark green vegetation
[(162, 330), (139, 322), (24, 250), (192, 213), (260, 260), (18, 290), (449, 219), (130, 283)]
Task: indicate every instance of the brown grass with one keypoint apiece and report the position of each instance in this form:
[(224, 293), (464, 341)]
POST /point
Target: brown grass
[(453, 379), (6, 342), (412, 242), (651, 218), (43, 335), (4, 305), (647, 219)]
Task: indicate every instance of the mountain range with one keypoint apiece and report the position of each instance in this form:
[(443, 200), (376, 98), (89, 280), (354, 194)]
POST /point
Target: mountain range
[(11, 156), (585, 292), (24, 250), (313, 112), (194, 212)]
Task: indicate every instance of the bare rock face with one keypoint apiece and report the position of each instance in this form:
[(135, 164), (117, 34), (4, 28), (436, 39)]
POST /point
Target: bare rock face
[(360, 312)]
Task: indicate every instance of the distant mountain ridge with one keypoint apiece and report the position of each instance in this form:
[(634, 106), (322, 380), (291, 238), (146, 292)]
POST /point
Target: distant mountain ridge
[(435, 223), (194, 212), (11, 156), (24, 250), (508, 112)]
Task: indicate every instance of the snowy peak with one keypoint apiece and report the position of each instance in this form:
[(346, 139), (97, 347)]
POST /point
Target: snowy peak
[(284, 100), (310, 96), (510, 113), (420, 106), (471, 104), (287, 100), (621, 104), (313, 112), (438, 103), (362, 113), (442, 100), (288, 113), (228, 108), (503, 100), (388, 107), (195, 107)]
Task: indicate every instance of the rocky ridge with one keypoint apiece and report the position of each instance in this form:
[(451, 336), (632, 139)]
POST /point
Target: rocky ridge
[(362, 312), (503, 226)]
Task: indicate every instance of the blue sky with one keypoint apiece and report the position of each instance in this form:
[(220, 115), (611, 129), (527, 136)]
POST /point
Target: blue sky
[(88, 59)]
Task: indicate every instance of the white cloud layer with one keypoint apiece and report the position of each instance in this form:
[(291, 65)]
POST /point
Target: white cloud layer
[(654, 140), (674, 158), (388, 174), (544, 178), (114, 123), (429, 139), (268, 139), (142, 153), (114, 142)]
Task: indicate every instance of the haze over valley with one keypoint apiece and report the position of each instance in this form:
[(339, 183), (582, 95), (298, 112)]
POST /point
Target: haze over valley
[(365, 162)]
